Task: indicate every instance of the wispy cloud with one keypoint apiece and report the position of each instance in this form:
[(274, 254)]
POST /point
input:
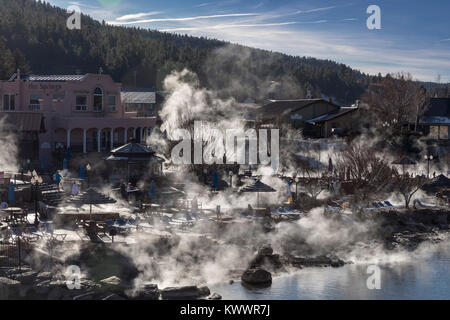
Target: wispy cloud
[(215, 16), (202, 5), (228, 26), (445, 40), (137, 15), (315, 10)]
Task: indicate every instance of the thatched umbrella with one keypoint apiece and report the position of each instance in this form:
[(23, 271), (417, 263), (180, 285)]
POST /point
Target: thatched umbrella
[(91, 197), (440, 181), (257, 186)]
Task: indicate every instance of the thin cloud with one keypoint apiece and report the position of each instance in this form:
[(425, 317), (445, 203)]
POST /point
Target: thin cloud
[(227, 26), (183, 19), (350, 19), (202, 5), (445, 40), (315, 10), (137, 15)]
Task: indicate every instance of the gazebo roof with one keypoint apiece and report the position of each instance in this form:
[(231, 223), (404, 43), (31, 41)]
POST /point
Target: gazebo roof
[(133, 149)]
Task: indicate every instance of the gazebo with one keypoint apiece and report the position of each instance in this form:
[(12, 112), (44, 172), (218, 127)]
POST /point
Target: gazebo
[(136, 156)]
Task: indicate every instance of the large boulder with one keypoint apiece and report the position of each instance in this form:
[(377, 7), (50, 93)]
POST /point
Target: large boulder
[(256, 278), (185, 293), (9, 289)]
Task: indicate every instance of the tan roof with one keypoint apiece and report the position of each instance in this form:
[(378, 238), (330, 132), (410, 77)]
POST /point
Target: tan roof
[(21, 121)]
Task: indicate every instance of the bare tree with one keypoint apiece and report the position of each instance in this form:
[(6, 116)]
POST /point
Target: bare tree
[(395, 101), (369, 173), (407, 186)]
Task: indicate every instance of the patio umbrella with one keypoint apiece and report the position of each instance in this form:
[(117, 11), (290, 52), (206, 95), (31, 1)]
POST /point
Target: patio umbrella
[(81, 172), (91, 197), (69, 154), (257, 186), (11, 193), (215, 180), (43, 163), (152, 191)]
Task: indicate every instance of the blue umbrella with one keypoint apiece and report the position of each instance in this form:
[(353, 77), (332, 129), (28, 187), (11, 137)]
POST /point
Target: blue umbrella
[(69, 154), (81, 172), (215, 180), (152, 191), (43, 163), (65, 164), (11, 193), (289, 193)]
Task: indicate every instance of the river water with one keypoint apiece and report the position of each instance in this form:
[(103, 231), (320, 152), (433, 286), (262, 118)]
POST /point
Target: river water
[(426, 277)]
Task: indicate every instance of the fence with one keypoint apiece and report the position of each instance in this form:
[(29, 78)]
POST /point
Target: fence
[(11, 253)]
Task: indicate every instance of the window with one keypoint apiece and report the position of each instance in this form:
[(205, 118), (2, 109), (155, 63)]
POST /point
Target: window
[(35, 101), (81, 103), (112, 103), (98, 99), (58, 97), (9, 102)]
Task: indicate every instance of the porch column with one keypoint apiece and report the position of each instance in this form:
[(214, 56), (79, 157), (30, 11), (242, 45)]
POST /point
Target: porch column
[(68, 138), (84, 141), (141, 137), (125, 138), (112, 138), (99, 143), (134, 133)]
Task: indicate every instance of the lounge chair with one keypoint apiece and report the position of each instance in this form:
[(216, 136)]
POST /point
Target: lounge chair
[(49, 231), (389, 205), (425, 205)]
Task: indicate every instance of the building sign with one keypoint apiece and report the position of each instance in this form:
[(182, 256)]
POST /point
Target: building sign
[(43, 86)]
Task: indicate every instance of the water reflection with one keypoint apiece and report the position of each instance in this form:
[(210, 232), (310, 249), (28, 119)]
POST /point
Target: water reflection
[(421, 278)]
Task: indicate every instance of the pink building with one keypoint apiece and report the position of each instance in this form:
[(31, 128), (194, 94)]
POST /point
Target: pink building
[(88, 113)]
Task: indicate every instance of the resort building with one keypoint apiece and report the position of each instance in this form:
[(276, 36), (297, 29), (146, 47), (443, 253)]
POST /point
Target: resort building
[(318, 118), (88, 113)]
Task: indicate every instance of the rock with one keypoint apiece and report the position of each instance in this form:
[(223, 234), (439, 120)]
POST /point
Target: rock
[(9, 289), (113, 285), (257, 277), (184, 293), (316, 261), (265, 250), (215, 296), (147, 292), (28, 277)]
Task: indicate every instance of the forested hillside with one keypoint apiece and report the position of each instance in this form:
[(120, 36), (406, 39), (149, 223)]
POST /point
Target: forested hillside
[(34, 37)]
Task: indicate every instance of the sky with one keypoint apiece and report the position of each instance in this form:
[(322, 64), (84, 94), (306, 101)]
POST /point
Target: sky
[(414, 35)]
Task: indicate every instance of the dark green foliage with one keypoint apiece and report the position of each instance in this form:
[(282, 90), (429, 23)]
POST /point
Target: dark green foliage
[(34, 34)]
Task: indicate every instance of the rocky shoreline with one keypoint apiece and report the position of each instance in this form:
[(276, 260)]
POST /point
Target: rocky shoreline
[(397, 231)]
